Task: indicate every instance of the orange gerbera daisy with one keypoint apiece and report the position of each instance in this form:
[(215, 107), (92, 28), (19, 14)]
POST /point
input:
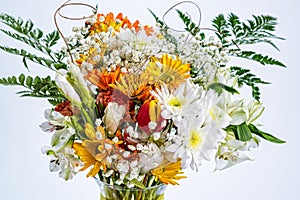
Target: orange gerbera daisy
[(169, 172), (166, 71)]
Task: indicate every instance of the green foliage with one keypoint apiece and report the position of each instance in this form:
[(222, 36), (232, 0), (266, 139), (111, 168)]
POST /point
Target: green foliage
[(260, 58), (190, 26), (36, 87), (34, 58), (243, 132), (159, 22), (218, 87), (25, 32), (233, 33), (244, 76), (264, 135)]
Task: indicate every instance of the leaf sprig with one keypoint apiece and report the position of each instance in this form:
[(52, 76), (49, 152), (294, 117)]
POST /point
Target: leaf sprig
[(36, 87), (244, 76), (233, 33), (25, 32)]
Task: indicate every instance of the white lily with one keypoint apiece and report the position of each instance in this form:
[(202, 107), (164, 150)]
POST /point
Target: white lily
[(55, 121), (255, 110), (66, 87), (214, 110), (228, 158)]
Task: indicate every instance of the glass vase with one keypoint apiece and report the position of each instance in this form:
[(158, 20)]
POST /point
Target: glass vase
[(111, 192)]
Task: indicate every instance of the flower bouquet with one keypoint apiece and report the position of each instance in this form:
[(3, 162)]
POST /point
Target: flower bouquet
[(136, 104)]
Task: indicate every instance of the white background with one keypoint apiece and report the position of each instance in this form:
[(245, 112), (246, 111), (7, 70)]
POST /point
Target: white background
[(274, 175)]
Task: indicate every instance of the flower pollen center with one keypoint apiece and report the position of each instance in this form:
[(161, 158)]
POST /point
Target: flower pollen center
[(175, 102), (195, 139)]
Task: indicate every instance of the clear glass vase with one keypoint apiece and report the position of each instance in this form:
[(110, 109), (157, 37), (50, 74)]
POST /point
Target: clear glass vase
[(110, 192)]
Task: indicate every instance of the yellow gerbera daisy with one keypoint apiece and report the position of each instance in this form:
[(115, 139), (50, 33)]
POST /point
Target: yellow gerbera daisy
[(166, 71), (168, 172), (93, 151)]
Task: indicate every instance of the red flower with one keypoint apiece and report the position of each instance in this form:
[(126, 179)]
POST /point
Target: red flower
[(150, 112), (66, 109)]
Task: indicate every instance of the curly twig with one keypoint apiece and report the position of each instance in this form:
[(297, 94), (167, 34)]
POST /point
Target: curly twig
[(70, 18)]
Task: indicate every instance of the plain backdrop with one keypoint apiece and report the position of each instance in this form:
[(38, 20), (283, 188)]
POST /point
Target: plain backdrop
[(274, 175)]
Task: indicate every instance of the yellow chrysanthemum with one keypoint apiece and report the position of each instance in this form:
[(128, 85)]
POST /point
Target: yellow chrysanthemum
[(166, 71), (169, 172)]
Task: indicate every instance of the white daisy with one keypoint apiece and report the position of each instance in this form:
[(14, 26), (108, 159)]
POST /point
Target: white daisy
[(184, 102), (195, 142)]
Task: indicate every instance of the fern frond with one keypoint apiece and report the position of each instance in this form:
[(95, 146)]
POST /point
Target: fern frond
[(25, 32), (161, 24), (264, 60), (245, 77), (190, 26), (34, 58), (51, 38), (29, 41), (35, 87), (221, 25)]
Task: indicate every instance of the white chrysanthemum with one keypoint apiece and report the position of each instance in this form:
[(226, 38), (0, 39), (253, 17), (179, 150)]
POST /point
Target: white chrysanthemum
[(195, 142), (184, 102)]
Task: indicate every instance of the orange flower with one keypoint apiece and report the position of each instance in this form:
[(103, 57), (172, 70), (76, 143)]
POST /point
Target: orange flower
[(134, 87), (103, 78), (105, 21)]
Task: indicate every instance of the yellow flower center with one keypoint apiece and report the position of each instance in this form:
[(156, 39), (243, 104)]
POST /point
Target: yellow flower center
[(195, 139), (166, 78), (175, 102)]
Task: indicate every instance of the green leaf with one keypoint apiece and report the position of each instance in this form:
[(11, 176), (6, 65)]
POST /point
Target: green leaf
[(158, 21), (22, 79), (138, 183), (36, 87), (251, 55), (244, 76), (190, 26), (218, 87), (52, 38), (29, 80), (243, 132), (25, 32), (264, 135)]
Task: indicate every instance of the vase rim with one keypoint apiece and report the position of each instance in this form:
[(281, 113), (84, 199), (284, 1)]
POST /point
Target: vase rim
[(123, 188)]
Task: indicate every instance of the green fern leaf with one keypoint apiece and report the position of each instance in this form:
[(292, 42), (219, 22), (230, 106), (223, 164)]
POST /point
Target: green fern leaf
[(251, 55), (35, 87), (245, 77)]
